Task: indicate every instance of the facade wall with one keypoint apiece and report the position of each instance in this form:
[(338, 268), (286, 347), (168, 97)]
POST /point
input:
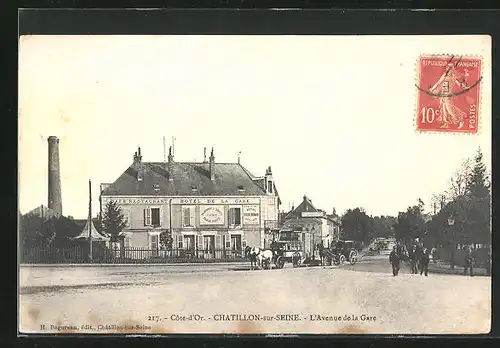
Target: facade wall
[(210, 218)]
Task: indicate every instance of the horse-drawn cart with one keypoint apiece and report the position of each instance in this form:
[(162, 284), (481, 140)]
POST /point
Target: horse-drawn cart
[(341, 252)]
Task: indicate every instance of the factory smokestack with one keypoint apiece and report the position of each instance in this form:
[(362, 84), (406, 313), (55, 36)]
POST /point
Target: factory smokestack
[(55, 201)]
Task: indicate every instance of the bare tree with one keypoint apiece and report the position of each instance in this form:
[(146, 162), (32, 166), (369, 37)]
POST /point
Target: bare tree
[(458, 182)]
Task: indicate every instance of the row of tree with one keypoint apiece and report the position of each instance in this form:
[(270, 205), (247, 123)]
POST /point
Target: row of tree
[(37, 231), (460, 215)]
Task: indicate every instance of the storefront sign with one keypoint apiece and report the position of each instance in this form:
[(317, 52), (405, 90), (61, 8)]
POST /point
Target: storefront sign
[(184, 201), (215, 201), (312, 214), (251, 214), (136, 200), (211, 215)]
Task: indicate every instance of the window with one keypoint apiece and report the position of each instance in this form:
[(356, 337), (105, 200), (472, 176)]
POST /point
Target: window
[(235, 216), (270, 186), (126, 242), (241, 188), (152, 217), (227, 239), (188, 216), (180, 242), (155, 216)]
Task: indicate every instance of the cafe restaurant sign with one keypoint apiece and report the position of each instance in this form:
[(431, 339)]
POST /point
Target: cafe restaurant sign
[(211, 215)]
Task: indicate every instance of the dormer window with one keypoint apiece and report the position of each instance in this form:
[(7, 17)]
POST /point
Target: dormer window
[(139, 176), (194, 188), (269, 186), (241, 188), (156, 187)]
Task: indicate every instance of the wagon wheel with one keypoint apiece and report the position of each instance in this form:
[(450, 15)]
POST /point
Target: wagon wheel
[(353, 257), (280, 262), (341, 260)]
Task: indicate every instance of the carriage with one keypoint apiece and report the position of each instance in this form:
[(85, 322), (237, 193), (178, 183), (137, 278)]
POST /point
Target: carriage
[(291, 247), (342, 252)]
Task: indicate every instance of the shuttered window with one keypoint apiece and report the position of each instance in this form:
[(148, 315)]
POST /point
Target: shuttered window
[(199, 242), (218, 241), (188, 216), (235, 216), (147, 217), (227, 241), (180, 242)]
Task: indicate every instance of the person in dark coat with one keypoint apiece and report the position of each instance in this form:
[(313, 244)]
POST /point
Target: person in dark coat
[(469, 262), (394, 260), (424, 261)]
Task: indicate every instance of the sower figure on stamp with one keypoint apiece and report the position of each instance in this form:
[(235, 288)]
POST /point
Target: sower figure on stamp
[(469, 261), (394, 260), (449, 112)]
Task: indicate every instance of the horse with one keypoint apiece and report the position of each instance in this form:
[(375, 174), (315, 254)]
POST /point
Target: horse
[(261, 258)]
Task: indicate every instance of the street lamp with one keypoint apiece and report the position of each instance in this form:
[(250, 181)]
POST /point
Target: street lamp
[(451, 222)]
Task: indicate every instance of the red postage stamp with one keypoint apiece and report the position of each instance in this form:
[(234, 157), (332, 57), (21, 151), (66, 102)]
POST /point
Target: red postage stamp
[(448, 94)]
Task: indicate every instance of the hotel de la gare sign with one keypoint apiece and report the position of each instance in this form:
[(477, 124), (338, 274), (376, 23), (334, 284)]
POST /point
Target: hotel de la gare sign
[(211, 211)]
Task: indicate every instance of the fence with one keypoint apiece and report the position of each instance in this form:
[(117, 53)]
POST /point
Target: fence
[(79, 254)]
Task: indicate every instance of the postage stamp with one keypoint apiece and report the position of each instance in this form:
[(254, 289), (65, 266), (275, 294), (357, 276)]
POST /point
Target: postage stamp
[(448, 96)]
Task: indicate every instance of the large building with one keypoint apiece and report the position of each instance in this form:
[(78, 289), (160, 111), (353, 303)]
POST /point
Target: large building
[(322, 228), (206, 206)]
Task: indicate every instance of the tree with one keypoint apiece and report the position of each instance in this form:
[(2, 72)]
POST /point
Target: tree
[(383, 226), (477, 183), (166, 240), (356, 225), (113, 221), (411, 224), (35, 231), (468, 207)]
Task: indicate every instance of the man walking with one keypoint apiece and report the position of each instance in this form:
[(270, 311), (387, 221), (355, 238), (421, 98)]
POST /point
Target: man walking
[(469, 262), (394, 261), (424, 261)]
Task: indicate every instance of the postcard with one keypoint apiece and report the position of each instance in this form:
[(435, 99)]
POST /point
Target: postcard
[(269, 184)]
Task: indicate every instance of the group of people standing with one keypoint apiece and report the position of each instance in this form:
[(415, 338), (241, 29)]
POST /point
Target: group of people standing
[(419, 257)]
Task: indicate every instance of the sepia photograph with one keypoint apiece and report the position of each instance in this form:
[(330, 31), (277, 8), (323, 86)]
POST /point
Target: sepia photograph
[(267, 184)]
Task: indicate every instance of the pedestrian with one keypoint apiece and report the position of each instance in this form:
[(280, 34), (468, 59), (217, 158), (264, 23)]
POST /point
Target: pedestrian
[(394, 261), (434, 254), (469, 262), (424, 261)]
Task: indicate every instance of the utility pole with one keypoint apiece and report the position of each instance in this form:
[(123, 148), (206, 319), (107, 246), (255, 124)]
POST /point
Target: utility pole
[(90, 221)]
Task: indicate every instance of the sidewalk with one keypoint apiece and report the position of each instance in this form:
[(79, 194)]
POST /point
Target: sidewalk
[(236, 264), (445, 267)]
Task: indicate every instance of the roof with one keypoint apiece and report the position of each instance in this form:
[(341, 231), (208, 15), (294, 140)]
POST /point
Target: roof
[(188, 179), (305, 206), (95, 235), (42, 211)]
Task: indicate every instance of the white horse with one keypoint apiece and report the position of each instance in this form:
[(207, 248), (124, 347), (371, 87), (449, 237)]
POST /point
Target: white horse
[(262, 258)]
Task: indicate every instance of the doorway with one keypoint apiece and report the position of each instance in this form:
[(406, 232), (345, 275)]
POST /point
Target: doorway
[(154, 244), (209, 246)]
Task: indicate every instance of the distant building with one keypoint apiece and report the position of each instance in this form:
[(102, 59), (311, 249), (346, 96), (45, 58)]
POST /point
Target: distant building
[(323, 228), (205, 205)]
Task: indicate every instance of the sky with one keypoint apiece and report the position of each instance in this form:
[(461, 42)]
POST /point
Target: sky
[(334, 116)]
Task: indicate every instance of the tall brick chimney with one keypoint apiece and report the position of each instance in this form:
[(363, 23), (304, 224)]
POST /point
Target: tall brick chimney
[(212, 165), (55, 200), (170, 164)]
